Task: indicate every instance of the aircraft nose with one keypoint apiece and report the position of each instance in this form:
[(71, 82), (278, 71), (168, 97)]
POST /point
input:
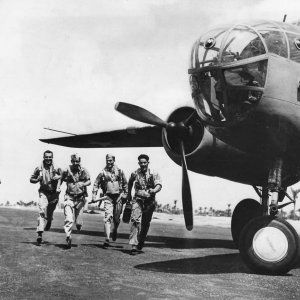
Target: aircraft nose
[(228, 72)]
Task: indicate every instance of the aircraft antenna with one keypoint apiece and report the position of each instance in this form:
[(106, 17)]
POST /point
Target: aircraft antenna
[(59, 131), (284, 18)]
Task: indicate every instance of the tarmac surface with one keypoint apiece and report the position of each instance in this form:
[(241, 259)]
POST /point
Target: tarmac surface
[(175, 263)]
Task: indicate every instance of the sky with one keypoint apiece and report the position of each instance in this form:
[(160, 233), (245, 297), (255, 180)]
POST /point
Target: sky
[(64, 65)]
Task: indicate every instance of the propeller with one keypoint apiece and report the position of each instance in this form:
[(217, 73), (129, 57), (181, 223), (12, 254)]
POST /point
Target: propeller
[(182, 130), (139, 114), (187, 203)]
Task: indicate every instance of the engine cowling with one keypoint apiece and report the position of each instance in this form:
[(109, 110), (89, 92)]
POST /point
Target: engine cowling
[(207, 155), (196, 130)]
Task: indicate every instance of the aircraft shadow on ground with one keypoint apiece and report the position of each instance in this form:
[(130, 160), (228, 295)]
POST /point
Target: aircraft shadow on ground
[(212, 264), (154, 241)]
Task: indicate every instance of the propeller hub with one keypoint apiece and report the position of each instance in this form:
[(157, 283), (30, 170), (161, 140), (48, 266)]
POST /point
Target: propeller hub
[(180, 130)]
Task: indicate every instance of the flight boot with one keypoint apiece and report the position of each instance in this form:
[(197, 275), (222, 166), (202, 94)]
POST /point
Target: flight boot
[(39, 239), (114, 235), (48, 226), (106, 244), (133, 250), (69, 242), (140, 246)]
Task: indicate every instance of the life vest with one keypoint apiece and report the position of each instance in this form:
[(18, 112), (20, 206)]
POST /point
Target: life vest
[(110, 181), (72, 186), (47, 184), (143, 183)]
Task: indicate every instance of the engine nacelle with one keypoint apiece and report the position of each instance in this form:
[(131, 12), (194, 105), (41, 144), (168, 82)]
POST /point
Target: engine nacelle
[(207, 155)]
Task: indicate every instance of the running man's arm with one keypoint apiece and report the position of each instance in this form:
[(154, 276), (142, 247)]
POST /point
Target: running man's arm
[(96, 186), (130, 185), (35, 177), (124, 185), (157, 184)]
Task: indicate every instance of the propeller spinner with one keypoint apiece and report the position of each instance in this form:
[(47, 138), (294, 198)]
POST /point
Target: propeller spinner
[(182, 131)]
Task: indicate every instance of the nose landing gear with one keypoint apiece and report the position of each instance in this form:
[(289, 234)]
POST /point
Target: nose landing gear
[(268, 244)]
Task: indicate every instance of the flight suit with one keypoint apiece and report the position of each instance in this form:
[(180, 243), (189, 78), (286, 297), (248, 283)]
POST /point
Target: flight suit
[(74, 198), (113, 183), (48, 196), (143, 204)]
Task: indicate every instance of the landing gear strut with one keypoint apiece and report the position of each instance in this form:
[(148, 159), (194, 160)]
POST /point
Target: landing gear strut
[(274, 186)]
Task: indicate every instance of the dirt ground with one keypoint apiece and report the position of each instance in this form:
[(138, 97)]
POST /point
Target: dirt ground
[(175, 264)]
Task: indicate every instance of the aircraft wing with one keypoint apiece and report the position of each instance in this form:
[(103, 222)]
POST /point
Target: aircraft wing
[(148, 136)]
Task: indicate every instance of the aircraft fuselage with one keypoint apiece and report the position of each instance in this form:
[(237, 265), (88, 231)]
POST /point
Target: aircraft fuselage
[(245, 85)]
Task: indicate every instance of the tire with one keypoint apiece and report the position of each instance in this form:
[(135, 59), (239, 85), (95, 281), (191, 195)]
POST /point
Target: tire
[(246, 210), (269, 245)]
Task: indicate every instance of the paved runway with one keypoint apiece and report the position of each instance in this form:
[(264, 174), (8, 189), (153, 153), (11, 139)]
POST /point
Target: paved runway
[(175, 264)]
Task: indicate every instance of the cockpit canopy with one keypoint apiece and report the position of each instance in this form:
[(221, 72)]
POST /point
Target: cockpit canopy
[(229, 66), (234, 43)]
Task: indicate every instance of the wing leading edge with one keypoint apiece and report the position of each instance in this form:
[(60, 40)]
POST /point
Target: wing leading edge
[(148, 136)]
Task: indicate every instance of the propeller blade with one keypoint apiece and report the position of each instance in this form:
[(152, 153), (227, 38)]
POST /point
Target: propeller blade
[(186, 192), (139, 114)]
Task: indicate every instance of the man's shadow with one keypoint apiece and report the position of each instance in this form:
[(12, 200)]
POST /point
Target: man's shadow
[(46, 244), (156, 241)]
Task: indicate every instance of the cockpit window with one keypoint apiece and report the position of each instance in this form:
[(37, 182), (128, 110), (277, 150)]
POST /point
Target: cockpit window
[(208, 48), (294, 50), (244, 87), (274, 38), (208, 96), (226, 95), (247, 75), (287, 26), (241, 43)]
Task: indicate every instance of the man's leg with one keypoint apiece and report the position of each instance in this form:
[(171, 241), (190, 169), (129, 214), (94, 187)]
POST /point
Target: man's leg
[(52, 202), (69, 218), (108, 217), (135, 225), (79, 208), (42, 205), (118, 205), (146, 219)]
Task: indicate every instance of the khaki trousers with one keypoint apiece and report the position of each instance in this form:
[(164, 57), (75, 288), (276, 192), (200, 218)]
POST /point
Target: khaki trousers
[(140, 219), (73, 210), (46, 205), (113, 206)]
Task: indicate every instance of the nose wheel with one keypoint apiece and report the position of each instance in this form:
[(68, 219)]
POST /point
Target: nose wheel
[(269, 245)]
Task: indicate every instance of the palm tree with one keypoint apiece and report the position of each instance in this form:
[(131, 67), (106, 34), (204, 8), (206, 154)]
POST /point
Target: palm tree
[(228, 210), (175, 202)]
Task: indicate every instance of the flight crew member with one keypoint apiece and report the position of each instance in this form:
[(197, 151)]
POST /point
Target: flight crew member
[(113, 184), (49, 178), (146, 184), (77, 179)]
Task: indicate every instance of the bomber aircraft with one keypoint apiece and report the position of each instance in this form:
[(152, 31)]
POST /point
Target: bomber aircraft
[(244, 126)]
